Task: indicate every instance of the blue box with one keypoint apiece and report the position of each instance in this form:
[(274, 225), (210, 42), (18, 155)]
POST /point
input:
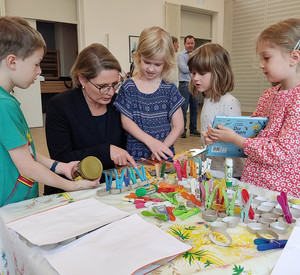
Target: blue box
[(245, 126)]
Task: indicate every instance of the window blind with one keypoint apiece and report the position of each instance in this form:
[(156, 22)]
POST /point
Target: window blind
[(249, 18)]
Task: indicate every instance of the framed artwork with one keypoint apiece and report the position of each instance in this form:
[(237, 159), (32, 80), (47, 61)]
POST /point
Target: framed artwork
[(133, 43)]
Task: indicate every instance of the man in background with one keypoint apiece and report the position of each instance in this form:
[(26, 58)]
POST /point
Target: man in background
[(184, 79), (175, 43)]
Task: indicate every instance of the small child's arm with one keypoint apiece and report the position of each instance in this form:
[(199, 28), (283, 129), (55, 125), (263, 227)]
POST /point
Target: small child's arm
[(158, 148), (39, 170), (177, 128), (225, 134)]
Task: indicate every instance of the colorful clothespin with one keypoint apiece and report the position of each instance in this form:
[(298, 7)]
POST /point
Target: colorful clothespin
[(139, 174), (245, 204), (177, 167), (119, 181), (143, 173), (229, 206), (108, 182), (209, 197), (282, 200), (132, 176), (163, 167), (126, 178), (199, 166), (267, 244)]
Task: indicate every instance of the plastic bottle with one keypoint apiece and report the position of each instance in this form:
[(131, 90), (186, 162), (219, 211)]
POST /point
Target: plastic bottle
[(89, 168), (228, 171)]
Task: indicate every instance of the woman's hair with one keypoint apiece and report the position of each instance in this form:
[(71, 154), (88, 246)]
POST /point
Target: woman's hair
[(91, 61), (284, 34), (156, 42), (18, 38), (212, 58)]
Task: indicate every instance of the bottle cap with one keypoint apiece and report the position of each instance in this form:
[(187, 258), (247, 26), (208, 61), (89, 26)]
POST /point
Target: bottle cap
[(91, 168), (140, 192)]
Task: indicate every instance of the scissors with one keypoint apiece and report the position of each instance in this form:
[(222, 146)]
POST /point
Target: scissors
[(267, 244), (282, 200), (229, 206), (245, 204)]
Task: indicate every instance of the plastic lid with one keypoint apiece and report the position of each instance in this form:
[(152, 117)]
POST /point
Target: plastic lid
[(91, 168), (140, 192)]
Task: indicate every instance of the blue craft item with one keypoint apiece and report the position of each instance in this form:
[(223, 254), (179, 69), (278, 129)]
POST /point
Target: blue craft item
[(117, 179), (132, 176), (139, 174), (126, 178), (122, 178), (108, 182), (200, 165), (267, 244)]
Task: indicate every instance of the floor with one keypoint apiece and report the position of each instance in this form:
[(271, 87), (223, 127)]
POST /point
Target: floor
[(182, 144)]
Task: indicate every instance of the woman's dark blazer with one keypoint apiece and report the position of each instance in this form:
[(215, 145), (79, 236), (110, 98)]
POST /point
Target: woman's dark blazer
[(73, 134)]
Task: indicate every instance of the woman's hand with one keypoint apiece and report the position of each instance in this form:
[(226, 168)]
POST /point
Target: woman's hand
[(121, 157)]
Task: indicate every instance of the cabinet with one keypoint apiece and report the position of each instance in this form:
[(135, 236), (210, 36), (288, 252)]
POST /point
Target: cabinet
[(50, 65)]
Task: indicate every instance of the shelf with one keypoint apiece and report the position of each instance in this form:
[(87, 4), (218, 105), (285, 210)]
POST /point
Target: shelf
[(50, 65)]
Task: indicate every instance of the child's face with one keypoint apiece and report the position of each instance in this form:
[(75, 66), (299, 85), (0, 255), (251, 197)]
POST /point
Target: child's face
[(202, 82), (274, 62), (27, 70), (152, 68)]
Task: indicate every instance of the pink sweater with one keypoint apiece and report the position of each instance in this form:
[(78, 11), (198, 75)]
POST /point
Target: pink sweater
[(274, 155)]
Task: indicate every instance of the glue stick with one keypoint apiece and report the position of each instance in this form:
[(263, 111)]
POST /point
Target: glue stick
[(228, 171)]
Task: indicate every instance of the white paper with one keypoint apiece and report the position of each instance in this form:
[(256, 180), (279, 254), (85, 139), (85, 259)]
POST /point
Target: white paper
[(122, 247), (66, 222), (288, 262)]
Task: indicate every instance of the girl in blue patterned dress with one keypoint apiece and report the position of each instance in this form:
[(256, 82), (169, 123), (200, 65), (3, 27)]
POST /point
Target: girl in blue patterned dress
[(149, 103)]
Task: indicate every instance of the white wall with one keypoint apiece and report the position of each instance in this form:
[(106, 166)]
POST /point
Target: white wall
[(119, 19)]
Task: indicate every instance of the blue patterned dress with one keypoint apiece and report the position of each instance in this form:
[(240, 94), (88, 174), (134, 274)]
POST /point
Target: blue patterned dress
[(151, 112)]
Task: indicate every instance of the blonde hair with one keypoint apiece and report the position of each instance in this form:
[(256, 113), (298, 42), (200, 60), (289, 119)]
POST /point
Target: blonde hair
[(19, 38), (91, 61), (154, 42), (215, 59), (284, 34)]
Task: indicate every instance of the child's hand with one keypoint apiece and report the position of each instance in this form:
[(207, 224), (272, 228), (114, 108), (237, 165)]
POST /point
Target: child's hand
[(207, 139), (222, 133), (65, 169), (121, 157), (159, 149), (84, 184)]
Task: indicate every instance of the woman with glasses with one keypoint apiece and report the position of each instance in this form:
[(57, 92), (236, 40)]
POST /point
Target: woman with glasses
[(82, 121)]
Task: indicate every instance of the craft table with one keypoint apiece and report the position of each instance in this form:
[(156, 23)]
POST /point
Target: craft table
[(241, 257)]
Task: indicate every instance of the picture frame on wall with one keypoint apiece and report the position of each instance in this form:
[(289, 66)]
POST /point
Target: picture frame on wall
[(133, 43)]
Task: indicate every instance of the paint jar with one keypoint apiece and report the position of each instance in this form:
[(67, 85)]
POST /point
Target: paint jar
[(228, 171), (89, 168)]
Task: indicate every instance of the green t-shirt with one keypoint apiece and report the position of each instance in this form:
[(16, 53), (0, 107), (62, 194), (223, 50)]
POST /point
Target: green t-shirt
[(14, 132)]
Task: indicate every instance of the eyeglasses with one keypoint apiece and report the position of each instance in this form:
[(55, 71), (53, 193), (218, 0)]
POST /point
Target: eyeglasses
[(104, 89)]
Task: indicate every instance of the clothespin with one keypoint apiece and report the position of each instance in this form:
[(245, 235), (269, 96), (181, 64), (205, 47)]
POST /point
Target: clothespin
[(163, 167), (229, 206), (184, 172), (157, 170), (143, 173), (108, 182), (139, 174), (126, 178), (267, 244), (209, 197), (199, 166), (132, 176), (244, 207), (177, 167)]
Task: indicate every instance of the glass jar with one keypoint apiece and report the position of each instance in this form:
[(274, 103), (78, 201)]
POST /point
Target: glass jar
[(89, 168)]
